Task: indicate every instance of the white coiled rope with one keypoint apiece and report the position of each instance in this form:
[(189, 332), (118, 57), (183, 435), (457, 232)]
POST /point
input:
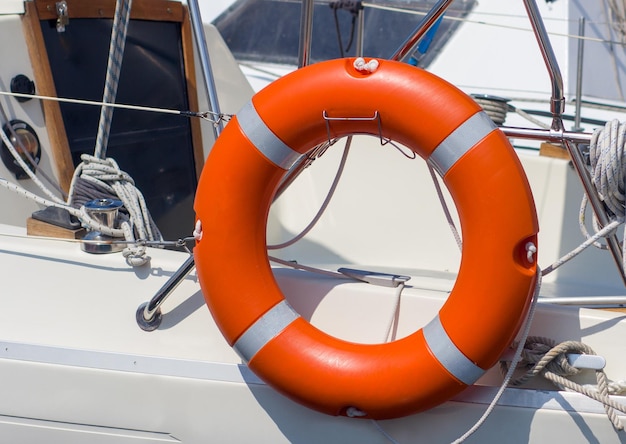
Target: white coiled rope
[(606, 154), (607, 158), (495, 108), (105, 174), (114, 66)]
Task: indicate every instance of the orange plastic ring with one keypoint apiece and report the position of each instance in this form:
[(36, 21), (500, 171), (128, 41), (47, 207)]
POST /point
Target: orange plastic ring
[(496, 277)]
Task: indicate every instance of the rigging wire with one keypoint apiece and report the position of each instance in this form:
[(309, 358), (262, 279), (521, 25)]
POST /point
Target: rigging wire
[(496, 24), (212, 117)]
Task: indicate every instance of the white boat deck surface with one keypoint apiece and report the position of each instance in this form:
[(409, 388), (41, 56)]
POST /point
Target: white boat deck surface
[(71, 300)]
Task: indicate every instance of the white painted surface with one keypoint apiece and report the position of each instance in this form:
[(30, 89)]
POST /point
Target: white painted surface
[(12, 7)]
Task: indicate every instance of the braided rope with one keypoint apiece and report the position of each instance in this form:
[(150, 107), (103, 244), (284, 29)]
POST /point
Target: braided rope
[(607, 157), (549, 359), (495, 109), (114, 65), (617, 387), (106, 177)]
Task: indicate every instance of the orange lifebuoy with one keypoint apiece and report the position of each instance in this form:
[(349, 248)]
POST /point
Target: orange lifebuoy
[(496, 276)]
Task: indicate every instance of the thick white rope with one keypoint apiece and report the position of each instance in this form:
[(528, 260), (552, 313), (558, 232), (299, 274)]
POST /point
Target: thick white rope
[(591, 240), (607, 156), (495, 109), (615, 387), (530, 118), (106, 174), (549, 360), (114, 66)]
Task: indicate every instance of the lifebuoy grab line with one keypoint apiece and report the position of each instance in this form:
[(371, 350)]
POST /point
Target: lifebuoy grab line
[(496, 276)]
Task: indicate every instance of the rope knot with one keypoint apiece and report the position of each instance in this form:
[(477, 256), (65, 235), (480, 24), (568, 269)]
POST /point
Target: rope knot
[(544, 356), (366, 67)]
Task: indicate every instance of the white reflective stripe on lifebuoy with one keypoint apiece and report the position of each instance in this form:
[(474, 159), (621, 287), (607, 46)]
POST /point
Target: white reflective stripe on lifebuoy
[(460, 141), (266, 328), (274, 149), (448, 355)]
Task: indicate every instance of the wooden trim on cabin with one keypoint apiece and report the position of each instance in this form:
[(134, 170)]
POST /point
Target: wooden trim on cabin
[(158, 10), (192, 90), (60, 148)]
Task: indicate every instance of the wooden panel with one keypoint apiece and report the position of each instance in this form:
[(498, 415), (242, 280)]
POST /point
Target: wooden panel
[(161, 10), (60, 150)]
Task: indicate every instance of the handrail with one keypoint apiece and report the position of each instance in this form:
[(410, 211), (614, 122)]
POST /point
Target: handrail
[(422, 28), (205, 61), (148, 314), (545, 134), (557, 105)]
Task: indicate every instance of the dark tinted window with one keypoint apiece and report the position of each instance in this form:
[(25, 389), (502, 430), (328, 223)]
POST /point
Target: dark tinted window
[(154, 148), (268, 30)]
